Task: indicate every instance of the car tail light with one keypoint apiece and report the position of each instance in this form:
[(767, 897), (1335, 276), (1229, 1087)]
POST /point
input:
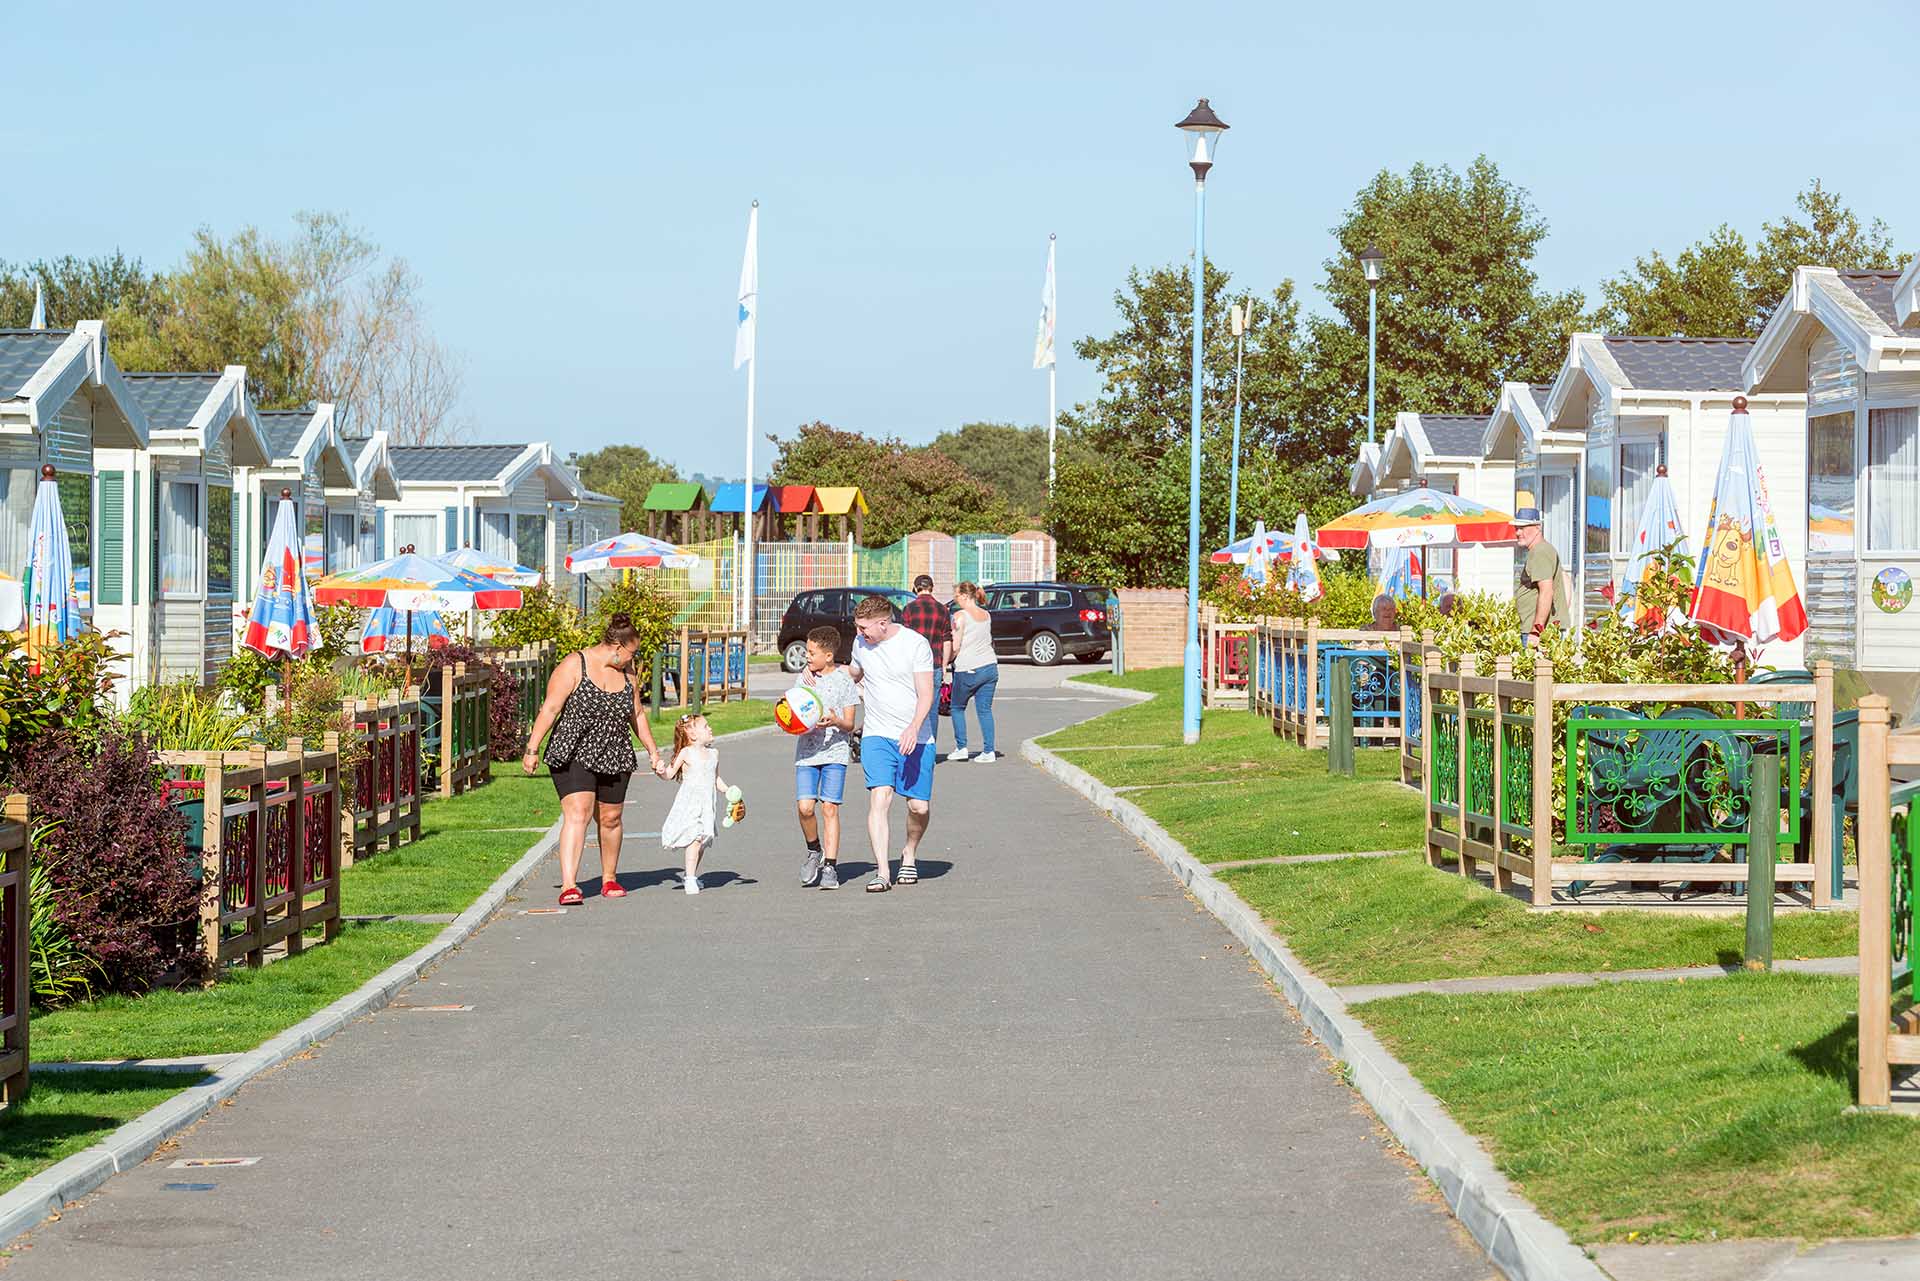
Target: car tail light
[(1093, 615)]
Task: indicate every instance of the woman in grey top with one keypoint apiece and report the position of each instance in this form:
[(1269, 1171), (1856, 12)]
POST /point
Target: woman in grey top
[(820, 760), (976, 673)]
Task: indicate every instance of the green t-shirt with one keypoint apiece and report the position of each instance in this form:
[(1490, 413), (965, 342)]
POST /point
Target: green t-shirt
[(1540, 569)]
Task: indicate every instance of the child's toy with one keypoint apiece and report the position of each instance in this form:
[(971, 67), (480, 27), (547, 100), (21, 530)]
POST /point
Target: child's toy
[(736, 808), (798, 710)]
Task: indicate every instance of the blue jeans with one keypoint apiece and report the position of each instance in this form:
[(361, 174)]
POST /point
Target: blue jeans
[(975, 687)]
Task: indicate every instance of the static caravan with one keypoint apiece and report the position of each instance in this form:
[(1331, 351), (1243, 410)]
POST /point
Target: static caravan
[(307, 458), (203, 427), (496, 498), (374, 483), (588, 519), (1638, 404), (1849, 341), (62, 401), (1364, 476), (1448, 453)]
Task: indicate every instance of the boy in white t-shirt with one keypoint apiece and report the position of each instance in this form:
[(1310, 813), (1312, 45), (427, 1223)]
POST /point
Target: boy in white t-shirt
[(894, 667)]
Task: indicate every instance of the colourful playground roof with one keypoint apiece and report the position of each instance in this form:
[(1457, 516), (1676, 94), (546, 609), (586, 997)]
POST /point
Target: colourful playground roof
[(839, 500), (728, 498), (796, 498), (675, 496)]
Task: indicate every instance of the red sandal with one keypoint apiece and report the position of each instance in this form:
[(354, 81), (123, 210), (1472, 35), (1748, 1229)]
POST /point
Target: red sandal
[(611, 889), (571, 896)]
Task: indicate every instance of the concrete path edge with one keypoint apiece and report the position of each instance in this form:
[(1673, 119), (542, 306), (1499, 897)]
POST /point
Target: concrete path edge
[(1519, 1240)]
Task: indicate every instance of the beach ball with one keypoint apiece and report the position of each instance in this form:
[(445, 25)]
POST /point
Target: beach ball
[(798, 710)]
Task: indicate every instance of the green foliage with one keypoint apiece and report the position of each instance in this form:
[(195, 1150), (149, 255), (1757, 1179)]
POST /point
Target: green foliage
[(77, 289), (908, 488), (65, 692), (1722, 286), (542, 616), (61, 972), (248, 673), (651, 609), (1346, 598), (183, 717), (1011, 460), (626, 472)]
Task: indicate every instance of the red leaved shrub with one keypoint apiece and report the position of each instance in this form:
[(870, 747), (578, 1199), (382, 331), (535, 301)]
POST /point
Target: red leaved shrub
[(117, 855)]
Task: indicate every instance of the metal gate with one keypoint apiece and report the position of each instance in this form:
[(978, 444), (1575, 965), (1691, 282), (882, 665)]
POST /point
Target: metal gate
[(1029, 560)]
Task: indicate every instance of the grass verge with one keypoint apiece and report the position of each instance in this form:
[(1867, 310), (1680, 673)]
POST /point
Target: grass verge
[(68, 1111), (1669, 1111)]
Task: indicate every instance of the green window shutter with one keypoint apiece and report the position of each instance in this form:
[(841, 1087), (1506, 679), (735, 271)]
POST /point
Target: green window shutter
[(112, 589)]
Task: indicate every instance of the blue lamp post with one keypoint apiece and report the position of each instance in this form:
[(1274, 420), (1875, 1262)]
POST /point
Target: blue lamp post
[(1371, 261), (1203, 130)]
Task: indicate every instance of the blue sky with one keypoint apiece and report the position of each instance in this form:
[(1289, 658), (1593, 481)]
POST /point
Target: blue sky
[(573, 180)]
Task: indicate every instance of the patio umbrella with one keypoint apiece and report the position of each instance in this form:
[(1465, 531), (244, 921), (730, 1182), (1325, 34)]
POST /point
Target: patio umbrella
[(52, 607), (1259, 556), (410, 582), (629, 551), (1659, 530), (1744, 590), (1279, 547), (1303, 576), (501, 569), (386, 624), (1420, 517), (1402, 573), (281, 622)]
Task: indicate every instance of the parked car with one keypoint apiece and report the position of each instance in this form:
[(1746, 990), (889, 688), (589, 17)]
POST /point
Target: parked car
[(829, 607), (1046, 621)]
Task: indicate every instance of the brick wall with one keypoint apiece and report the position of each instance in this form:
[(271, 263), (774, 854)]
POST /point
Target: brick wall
[(1154, 626)]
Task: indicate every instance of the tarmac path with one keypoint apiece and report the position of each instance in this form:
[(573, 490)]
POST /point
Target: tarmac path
[(1042, 1061)]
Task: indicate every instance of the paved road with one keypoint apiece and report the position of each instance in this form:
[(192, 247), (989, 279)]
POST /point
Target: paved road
[(1043, 1061)]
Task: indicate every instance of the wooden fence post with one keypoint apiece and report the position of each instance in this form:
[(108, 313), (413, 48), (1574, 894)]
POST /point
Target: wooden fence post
[(1826, 864), (1310, 732), (350, 788), (296, 843), (1876, 907), (449, 712), (1428, 826), (1502, 705), (19, 976), (213, 891), (1463, 762), (257, 879), (1542, 886)]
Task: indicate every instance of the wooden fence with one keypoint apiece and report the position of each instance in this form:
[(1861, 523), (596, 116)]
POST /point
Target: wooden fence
[(1672, 788), (708, 667), (458, 728), (16, 976), (530, 666), (270, 842), (1889, 844), (1227, 661), (1292, 665), (382, 807)]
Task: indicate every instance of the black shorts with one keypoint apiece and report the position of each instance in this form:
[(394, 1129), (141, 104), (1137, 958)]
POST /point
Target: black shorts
[(607, 789)]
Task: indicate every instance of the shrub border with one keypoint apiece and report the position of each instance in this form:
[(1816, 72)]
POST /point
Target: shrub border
[(1520, 1241)]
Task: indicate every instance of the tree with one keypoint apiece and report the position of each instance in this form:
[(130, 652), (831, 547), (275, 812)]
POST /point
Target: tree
[(1722, 287), (76, 289), (1460, 308), (626, 472), (907, 488), (321, 316), (1011, 460)]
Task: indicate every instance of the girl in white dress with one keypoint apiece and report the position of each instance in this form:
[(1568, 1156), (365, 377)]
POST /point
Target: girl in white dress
[(689, 824)]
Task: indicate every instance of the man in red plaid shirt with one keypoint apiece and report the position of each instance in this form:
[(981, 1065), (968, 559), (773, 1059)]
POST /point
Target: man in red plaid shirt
[(930, 618)]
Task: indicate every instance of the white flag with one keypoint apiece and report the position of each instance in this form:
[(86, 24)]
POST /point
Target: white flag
[(39, 306), (1043, 341), (749, 291)]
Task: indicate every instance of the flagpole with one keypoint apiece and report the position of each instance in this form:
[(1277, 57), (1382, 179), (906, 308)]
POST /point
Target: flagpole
[(1053, 366), (745, 567)]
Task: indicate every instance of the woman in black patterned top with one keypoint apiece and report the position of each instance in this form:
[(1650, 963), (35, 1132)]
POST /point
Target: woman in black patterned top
[(593, 708)]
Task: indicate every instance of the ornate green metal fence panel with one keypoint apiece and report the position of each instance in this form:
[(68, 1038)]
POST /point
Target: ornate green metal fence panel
[(1906, 872), (1443, 757), (1516, 774), (1672, 780), (1480, 800)]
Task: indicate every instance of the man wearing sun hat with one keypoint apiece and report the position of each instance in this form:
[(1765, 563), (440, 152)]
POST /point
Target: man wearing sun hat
[(1541, 600)]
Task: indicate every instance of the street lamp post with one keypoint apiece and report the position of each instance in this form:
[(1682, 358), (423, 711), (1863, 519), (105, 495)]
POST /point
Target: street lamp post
[(1371, 261), (1203, 130), (1242, 319)]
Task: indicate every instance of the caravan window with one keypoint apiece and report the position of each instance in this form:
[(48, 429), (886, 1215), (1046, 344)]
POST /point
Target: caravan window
[(496, 534), (1893, 479), (414, 533), (530, 541), (1830, 483), (220, 538), (178, 513), (341, 543)]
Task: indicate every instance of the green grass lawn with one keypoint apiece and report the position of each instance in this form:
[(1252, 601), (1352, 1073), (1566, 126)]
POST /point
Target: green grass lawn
[(1675, 1111), (724, 717), (68, 1111), (1396, 920)]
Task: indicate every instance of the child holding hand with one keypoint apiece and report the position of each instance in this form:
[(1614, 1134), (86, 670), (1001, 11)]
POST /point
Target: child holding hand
[(689, 824)]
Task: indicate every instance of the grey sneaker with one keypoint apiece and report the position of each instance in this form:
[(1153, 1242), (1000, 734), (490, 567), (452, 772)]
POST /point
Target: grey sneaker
[(810, 868), (986, 758), (829, 876)]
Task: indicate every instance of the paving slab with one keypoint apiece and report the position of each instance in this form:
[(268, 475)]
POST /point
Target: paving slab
[(1044, 1060)]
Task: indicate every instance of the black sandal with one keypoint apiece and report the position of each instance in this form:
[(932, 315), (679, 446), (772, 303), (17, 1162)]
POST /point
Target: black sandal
[(908, 875)]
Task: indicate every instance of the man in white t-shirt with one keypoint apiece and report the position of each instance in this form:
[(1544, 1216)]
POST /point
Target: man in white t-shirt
[(894, 666)]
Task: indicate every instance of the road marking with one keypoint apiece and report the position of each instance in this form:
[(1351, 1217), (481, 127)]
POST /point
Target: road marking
[(208, 1162), (543, 911), (186, 1187), (435, 1009)]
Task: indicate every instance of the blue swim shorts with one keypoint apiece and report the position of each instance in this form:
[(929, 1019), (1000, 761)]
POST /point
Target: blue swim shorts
[(911, 775)]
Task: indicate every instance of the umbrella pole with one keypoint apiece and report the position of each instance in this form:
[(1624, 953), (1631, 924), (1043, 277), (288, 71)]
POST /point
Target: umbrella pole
[(406, 681), (1740, 676), (286, 698)]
